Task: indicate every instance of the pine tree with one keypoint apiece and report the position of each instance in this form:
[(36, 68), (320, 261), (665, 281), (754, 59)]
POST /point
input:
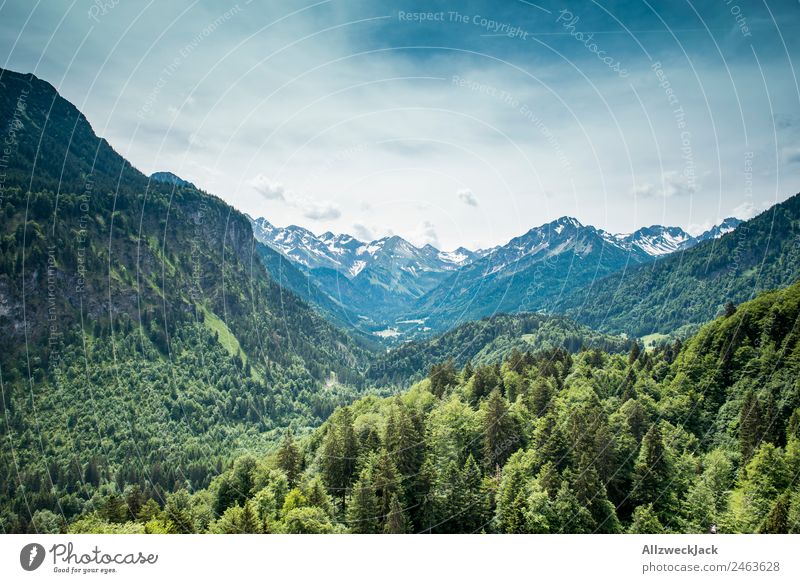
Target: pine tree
[(571, 516), (765, 479), (404, 442), (178, 512), (474, 513), (290, 458), (652, 475), (645, 521), (467, 372), (396, 522), (450, 502), (339, 452), (500, 435), (423, 501), (541, 396), (316, 495), (363, 512), (442, 376), (750, 424), (249, 521), (634, 353), (777, 521), (386, 481), (512, 496), (550, 445)]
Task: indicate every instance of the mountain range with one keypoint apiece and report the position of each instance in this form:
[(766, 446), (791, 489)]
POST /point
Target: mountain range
[(396, 290)]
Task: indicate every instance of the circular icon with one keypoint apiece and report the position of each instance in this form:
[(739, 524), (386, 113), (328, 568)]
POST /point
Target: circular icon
[(31, 556)]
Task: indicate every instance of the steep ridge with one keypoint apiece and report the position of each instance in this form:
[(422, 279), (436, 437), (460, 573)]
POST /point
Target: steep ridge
[(527, 274), (137, 309), (691, 287)]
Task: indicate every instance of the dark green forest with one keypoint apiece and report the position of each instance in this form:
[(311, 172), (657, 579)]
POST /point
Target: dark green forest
[(692, 434)]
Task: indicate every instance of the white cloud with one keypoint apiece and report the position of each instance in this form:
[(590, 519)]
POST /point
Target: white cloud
[(196, 141), (696, 229), (268, 189), (790, 155), (467, 197), (318, 210), (672, 185), (425, 234), (747, 210), (363, 233)]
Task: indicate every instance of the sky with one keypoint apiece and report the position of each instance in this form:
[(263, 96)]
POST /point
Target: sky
[(453, 123)]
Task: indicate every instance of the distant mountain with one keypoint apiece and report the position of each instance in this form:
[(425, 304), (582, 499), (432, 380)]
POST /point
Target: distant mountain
[(718, 231), (377, 280), (170, 178), (401, 291), (527, 274), (350, 256), (731, 263), (657, 240)]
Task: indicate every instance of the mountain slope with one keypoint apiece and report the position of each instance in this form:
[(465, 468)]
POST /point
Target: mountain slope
[(676, 440), (378, 280), (143, 341), (527, 274), (487, 341), (401, 291), (692, 286), (290, 277), (170, 178)]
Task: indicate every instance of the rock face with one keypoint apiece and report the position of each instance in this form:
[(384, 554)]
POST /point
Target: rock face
[(170, 178)]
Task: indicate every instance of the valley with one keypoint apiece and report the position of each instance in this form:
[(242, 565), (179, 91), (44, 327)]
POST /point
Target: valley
[(171, 365)]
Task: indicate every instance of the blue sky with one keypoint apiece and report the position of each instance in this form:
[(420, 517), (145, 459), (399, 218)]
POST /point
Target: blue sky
[(454, 123)]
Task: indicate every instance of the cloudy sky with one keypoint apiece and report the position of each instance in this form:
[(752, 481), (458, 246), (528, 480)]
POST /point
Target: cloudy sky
[(452, 123)]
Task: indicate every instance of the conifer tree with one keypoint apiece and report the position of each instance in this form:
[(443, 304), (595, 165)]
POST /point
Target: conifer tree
[(777, 521), (645, 521), (474, 513), (363, 511), (652, 474), (396, 522), (749, 426), (386, 481), (500, 435), (339, 452), (634, 353), (404, 442), (290, 458), (442, 376), (550, 445), (316, 495)]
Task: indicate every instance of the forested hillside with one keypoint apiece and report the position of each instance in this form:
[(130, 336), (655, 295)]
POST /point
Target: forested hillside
[(692, 286), (487, 341), (674, 440), (142, 340)]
